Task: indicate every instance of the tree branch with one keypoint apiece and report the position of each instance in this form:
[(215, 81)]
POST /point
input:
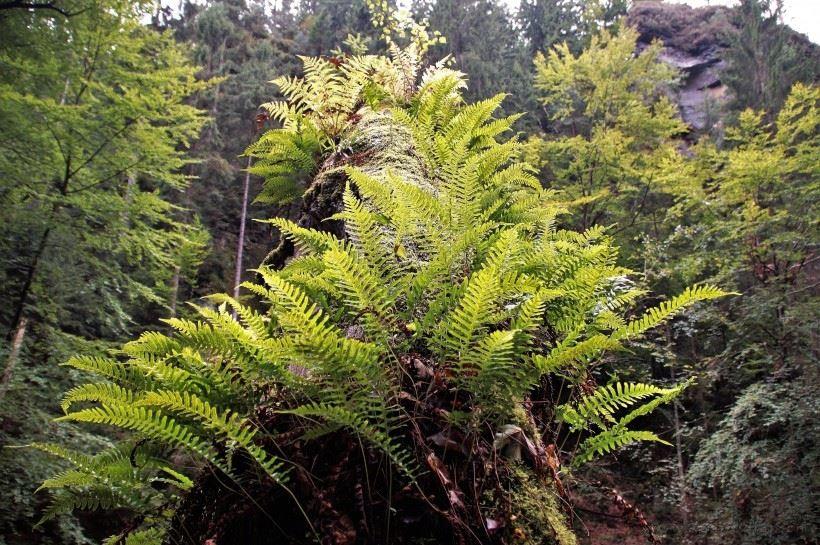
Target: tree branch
[(51, 6)]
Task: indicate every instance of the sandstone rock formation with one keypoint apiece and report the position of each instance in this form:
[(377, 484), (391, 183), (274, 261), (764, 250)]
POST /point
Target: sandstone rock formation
[(696, 40)]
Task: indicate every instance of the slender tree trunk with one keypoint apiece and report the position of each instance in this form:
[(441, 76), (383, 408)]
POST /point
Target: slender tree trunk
[(25, 290), (240, 244), (14, 354), (130, 182), (17, 329), (684, 499), (174, 291), (19, 322), (65, 91)]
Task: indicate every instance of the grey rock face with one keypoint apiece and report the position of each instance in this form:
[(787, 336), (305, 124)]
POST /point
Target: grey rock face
[(694, 40), (701, 90)]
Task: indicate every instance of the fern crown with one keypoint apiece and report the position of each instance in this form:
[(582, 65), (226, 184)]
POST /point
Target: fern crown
[(460, 274)]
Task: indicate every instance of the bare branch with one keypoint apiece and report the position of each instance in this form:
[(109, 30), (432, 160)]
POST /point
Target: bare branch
[(50, 6)]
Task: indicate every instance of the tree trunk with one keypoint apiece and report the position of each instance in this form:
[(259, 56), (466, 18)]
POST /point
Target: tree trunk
[(240, 243), (14, 354), (684, 498), (174, 291), (25, 291), (130, 181)]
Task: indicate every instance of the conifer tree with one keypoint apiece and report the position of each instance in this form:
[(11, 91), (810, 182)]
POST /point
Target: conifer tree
[(244, 46), (483, 42), (546, 23), (328, 24), (764, 58)]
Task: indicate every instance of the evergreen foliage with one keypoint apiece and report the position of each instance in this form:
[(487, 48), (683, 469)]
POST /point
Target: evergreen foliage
[(764, 58), (546, 23), (599, 407), (242, 45), (95, 133), (445, 344), (484, 42)]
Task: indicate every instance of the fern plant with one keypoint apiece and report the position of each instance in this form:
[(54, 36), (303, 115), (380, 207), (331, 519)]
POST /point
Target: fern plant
[(124, 475), (437, 320), (320, 110), (597, 410)]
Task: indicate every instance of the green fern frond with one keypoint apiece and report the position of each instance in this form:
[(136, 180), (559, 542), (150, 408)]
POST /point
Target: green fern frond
[(94, 499), (150, 423), (255, 322), (363, 291), (227, 423), (67, 479), (471, 117), (151, 343), (568, 356), (606, 400), (103, 392), (367, 431), (665, 397), (176, 479), (474, 312), (600, 407), (494, 374), (76, 458), (611, 440), (283, 111), (112, 478), (315, 338), (366, 232), (531, 314), (309, 241), (667, 309), (106, 368)]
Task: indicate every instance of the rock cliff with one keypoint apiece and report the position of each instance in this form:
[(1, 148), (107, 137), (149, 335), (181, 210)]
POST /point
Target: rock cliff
[(695, 42)]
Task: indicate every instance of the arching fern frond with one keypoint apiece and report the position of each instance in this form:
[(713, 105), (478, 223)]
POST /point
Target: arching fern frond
[(150, 423), (366, 430), (599, 409), (667, 309), (225, 423), (611, 440)]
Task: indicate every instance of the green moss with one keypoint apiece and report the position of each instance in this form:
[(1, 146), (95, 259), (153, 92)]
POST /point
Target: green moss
[(538, 518), (387, 146)]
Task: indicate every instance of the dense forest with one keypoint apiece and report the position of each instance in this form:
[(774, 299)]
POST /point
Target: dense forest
[(440, 271)]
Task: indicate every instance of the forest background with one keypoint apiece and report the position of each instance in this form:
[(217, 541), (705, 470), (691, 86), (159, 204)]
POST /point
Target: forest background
[(126, 193)]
